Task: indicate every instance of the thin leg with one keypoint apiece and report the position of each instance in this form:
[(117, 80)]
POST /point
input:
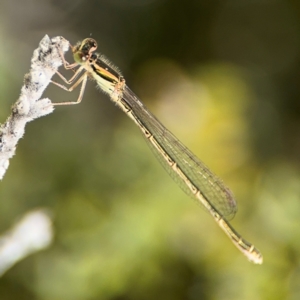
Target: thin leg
[(68, 81), (67, 66), (82, 79)]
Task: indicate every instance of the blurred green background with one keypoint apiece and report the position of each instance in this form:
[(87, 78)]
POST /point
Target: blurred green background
[(224, 77)]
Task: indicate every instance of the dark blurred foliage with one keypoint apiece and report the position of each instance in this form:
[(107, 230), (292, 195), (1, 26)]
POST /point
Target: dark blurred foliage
[(224, 77)]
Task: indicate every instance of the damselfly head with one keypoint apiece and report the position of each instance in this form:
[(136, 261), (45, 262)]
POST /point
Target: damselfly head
[(84, 50), (88, 45)]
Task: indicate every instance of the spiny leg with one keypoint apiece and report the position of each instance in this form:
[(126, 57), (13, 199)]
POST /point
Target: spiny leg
[(67, 65), (68, 81), (82, 79)]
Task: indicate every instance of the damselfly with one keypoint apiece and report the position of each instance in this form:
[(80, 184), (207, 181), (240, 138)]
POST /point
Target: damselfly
[(181, 164)]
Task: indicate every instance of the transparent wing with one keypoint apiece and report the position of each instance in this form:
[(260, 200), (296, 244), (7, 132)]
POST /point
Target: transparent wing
[(210, 186)]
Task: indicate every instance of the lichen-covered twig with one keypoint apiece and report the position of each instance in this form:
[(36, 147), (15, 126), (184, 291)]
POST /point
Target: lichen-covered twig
[(44, 63)]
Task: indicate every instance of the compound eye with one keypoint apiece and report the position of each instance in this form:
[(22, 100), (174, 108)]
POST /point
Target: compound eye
[(88, 45), (93, 44)]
